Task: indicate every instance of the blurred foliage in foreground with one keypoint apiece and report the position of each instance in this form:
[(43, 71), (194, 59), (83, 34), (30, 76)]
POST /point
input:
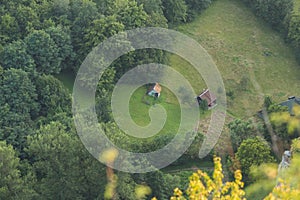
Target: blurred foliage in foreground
[(292, 122), (201, 186), (286, 186)]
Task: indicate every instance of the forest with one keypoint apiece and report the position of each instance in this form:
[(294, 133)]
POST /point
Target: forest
[(255, 45)]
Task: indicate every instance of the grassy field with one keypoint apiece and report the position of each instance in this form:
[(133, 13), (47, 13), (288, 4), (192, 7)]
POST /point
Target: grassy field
[(139, 108), (140, 104), (252, 58)]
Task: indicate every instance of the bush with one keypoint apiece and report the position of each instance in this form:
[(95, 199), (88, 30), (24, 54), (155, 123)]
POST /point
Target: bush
[(203, 105), (272, 11)]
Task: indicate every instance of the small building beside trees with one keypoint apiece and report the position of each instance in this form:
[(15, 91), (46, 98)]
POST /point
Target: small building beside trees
[(154, 90), (207, 96)]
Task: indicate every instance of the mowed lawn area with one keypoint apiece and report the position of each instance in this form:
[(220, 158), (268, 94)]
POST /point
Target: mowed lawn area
[(252, 58), (140, 104)]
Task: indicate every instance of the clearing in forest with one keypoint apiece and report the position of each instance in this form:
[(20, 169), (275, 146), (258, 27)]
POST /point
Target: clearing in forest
[(252, 58)]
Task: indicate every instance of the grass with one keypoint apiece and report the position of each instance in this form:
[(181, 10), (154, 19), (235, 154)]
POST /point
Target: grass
[(139, 110), (67, 77), (188, 71), (252, 58), (140, 104), (190, 165)]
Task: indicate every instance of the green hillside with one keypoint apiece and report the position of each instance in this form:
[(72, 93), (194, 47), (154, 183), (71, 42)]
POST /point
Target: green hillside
[(253, 59)]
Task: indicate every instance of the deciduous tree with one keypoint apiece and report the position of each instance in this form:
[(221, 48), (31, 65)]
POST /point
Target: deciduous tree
[(241, 130), (12, 186), (9, 28), (175, 11), (14, 55), (18, 92), (17, 107), (53, 97), (131, 14), (253, 151), (61, 37), (63, 167), (44, 51), (82, 13), (100, 30)]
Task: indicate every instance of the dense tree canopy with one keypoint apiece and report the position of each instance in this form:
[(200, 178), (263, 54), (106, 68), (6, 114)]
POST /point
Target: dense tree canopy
[(17, 106), (241, 130), (80, 177), (62, 39), (273, 11), (15, 55), (82, 13), (44, 51), (195, 7), (53, 97), (175, 10), (12, 186), (9, 28), (18, 92), (100, 30), (14, 128)]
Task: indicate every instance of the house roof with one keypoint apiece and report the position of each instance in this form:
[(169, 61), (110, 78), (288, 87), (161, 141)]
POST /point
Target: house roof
[(290, 103), (208, 96), (157, 88)]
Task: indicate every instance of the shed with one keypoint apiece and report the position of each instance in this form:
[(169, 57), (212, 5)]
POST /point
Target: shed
[(209, 97), (154, 90)]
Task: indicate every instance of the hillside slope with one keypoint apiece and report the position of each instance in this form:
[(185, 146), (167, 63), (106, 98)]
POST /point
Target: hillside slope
[(253, 59)]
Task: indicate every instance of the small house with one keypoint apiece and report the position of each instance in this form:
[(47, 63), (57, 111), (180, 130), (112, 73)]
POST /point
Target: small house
[(290, 103), (154, 90), (209, 97)]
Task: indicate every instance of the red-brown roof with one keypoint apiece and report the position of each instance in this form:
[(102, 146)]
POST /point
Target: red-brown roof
[(208, 96), (157, 88)]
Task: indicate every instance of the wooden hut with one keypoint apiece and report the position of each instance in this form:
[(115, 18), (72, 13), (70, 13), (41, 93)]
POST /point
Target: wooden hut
[(209, 97)]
